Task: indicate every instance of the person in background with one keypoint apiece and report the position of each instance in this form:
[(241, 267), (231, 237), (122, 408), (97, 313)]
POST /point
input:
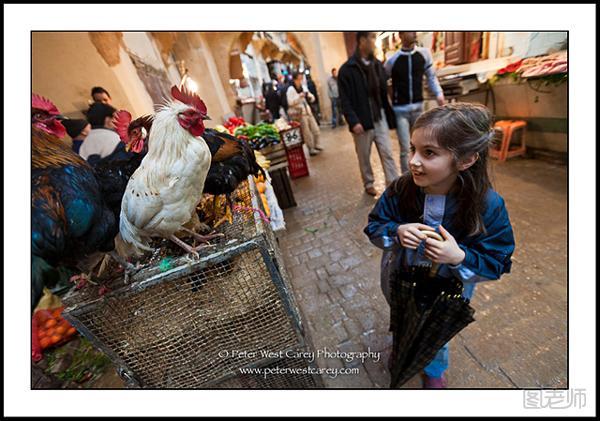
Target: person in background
[(244, 91), (363, 94), (299, 110), (272, 99), (78, 130), (334, 96), (103, 139), (99, 94), (315, 106), (406, 68), (282, 87)]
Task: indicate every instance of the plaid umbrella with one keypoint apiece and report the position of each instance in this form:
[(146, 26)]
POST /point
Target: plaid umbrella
[(426, 312)]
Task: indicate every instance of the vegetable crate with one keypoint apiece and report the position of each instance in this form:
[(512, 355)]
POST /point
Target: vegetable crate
[(274, 153), (196, 323)]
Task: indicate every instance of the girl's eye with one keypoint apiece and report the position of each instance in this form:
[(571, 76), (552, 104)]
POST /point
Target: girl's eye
[(429, 152)]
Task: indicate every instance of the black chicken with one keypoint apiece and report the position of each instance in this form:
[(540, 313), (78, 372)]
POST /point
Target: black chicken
[(114, 171)]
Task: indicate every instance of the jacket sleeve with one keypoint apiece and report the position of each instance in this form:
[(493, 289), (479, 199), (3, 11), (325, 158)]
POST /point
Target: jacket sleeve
[(432, 80), (383, 222), (389, 64), (489, 256), (345, 87)]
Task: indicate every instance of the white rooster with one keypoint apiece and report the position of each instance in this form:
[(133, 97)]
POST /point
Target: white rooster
[(162, 194)]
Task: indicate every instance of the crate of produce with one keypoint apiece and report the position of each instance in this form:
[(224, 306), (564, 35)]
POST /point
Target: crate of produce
[(194, 323), (275, 153), (297, 164)]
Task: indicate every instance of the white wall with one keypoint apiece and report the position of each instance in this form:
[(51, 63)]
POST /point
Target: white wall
[(66, 65), (142, 45), (529, 44)]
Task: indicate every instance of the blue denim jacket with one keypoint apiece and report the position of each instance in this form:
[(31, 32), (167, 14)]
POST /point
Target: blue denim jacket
[(487, 256)]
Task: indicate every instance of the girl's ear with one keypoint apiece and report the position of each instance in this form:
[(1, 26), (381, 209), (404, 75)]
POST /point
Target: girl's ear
[(468, 162)]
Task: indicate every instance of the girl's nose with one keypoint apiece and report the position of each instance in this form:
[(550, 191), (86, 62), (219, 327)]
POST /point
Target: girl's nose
[(415, 161)]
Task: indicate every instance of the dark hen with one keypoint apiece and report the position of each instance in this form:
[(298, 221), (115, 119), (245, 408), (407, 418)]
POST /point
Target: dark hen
[(69, 218), (114, 171)]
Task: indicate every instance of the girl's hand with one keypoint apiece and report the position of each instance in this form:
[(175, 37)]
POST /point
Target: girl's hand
[(410, 235), (446, 251)]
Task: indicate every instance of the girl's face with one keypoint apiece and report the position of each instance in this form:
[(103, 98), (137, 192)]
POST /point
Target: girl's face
[(432, 167)]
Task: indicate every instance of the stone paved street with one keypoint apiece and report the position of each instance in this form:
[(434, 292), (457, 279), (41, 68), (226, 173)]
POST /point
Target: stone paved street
[(519, 337)]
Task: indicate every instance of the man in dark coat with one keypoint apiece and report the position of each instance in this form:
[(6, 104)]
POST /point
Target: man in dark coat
[(363, 94)]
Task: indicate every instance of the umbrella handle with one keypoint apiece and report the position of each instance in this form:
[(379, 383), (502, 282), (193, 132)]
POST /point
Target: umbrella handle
[(434, 269), (436, 236)]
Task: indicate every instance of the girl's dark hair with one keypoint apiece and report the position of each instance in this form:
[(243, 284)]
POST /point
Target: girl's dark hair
[(464, 129)]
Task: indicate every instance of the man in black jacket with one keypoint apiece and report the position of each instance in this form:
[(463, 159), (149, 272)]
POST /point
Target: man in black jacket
[(363, 94)]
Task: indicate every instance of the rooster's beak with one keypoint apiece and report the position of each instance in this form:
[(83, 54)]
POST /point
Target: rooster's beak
[(206, 118)]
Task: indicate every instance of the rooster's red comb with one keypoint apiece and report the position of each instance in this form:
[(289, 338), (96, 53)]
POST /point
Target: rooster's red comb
[(41, 103), (189, 98), (122, 119)]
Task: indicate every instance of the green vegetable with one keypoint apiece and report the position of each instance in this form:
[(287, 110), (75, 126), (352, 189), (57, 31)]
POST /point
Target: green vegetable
[(85, 360)]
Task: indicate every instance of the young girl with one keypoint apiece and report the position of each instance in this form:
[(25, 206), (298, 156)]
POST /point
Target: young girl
[(447, 190)]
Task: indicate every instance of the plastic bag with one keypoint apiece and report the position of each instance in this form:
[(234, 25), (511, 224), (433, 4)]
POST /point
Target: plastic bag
[(49, 328)]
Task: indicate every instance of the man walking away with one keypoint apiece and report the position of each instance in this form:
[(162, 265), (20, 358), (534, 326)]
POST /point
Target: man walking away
[(363, 94), (334, 96), (315, 106), (406, 68)]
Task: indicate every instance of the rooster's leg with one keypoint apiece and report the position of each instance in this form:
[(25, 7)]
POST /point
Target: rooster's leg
[(228, 212), (214, 208), (202, 238), (229, 208), (129, 268), (185, 246)]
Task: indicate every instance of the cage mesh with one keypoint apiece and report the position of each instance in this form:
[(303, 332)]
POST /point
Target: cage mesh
[(172, 329)]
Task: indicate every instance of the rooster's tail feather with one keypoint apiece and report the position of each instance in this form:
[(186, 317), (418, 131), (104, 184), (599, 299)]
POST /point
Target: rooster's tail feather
[(129, 241)]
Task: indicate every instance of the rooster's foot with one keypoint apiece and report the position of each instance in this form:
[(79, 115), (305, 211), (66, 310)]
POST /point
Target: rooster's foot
[(227, 217), (203, 238)]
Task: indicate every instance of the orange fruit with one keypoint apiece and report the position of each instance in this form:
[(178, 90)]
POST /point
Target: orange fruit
[(50, 323), (55, 339), (41, 333), (71, 331), (50, 332), (60, 330), (56, 313), (44, 342)]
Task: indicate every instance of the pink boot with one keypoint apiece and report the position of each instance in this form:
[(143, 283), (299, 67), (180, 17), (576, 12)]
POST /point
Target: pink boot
[(434, 382)]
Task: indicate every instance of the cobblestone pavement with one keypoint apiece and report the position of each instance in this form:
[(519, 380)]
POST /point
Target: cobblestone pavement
[(519, 337)]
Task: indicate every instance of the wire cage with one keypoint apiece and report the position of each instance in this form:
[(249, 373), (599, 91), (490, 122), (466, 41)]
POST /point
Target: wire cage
[(197, 323)]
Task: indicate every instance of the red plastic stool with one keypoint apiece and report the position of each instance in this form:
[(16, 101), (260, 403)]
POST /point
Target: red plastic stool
[(513, 132)]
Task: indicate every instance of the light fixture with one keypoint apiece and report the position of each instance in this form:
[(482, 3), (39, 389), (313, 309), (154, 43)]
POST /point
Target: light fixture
[(191, 84)]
